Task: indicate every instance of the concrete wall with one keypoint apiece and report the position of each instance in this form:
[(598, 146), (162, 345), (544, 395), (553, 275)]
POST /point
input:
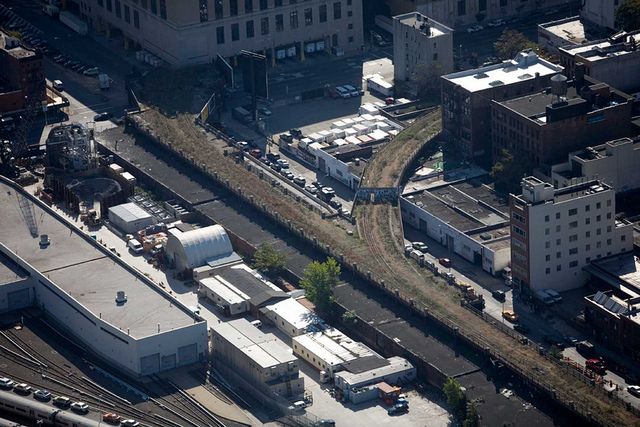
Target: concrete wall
[(20, 293), (600, 12)]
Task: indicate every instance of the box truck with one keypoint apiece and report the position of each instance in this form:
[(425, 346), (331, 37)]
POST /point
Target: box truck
[(75, 23)]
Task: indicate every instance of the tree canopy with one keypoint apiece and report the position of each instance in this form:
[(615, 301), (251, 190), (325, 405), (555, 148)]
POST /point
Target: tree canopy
[(318, 281), (510, 43), (454, 394), (628, 15), (508, 171), (268, 260)]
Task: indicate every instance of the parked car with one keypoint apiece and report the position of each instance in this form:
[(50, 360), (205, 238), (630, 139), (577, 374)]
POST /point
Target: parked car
[(283, 163), (92, 71), (634, 390), (22, 388), (129, 423), (445, 262), (311, 189), (553, 340), (596, 365), (496, 23), (421, 246), (398, 409), (299, 181), (255, 152), (554, 294), (499, 295), (6, 383), (243, 145), (42, 395), (80, 407), (585, 348), (276, 167), (101, 117), (111, 418), (264, 111), (510, 316), (353, 92), (335, 204), (475, 28), (273, 157), (317, 185), (62, 402)]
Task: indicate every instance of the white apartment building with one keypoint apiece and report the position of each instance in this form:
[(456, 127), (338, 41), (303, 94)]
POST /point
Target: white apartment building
[(614, 162), (195, 32), (557, 232), (421, 44)]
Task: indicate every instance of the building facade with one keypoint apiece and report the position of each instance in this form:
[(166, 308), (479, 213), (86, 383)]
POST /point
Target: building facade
[(614, 61), (456, 13), (545, 127), (421, 45), (467, 96), (601, 13), (614, 162), (22, 80), (557, 232), (260, 359), (195, 32)]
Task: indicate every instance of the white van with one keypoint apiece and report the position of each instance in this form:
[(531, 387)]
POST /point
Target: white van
[(135, 246), (58, 85), (544, 297), (554, 294)]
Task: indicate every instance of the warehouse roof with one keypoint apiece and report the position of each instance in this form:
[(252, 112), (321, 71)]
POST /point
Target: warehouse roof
[(294, 313), (395, 365), (10, 271), (129, 212), (85, 272), (335, 348), (246, 281)]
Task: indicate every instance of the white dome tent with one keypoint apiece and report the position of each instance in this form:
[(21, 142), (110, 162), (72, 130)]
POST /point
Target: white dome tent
[(203, 246)]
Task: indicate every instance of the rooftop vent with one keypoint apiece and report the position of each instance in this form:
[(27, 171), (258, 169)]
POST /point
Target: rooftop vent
[(121, 297), (496, 83), (481, 76), (485, 236)]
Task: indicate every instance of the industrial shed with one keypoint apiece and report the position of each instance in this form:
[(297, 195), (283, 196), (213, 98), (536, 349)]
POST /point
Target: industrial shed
[(186, 250), (290, 316), (129, 218)]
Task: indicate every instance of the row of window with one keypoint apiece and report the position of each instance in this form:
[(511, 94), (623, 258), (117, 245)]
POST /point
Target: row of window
[(574, 237), (115, 5), (574, 211), (572, 264), (265, 27), (574, 251), (219, 10)]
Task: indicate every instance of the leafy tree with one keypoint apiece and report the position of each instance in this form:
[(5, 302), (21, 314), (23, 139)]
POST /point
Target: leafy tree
[(508, 171), (318, 281), (510, 43), (473, 419), (628, 15), (268, 260), (349, 317), (454, 394)]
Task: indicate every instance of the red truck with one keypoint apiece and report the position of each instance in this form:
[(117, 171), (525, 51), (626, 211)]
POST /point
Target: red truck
[(596, 365)]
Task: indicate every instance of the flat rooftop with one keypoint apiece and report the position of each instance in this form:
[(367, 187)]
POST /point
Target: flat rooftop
[(418, 21), (579, 190), (599, 50), (294, 313), (395, 364), (86, 273), (523, 67), (534, 105), (571, 29), (10, 271), (621, 271), (464, 206)]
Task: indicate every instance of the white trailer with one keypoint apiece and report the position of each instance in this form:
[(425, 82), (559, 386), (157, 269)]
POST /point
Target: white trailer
[(75, 23), (378, 84)]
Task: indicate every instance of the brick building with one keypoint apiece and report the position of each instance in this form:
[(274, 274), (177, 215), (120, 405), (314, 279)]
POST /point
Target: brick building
[(21, 75), (545, 127), (467, 96)]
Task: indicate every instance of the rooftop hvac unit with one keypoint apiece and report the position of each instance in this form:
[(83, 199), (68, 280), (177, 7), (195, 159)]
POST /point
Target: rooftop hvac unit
[(121, 297)]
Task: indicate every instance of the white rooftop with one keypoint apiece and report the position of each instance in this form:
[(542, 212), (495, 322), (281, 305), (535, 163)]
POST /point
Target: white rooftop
[(294, 313), (421, 22), (523, 67), (333, 346), (396, 364), (570, 29), (129, 212), (591, 50), (224, 290)]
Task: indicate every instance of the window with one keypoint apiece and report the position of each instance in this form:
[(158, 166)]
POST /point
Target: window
[(248, 6), (587, 260), (573, 212), (323, 13), (558, 267), (163, 9), (608, 215), (116, 3), (264, 26), (293, 19), (136, 19), (573, 264), (517, 217), (154, 6), (598, 218), (263, 4), (462, 7), (546, 231), (519, 231), (547, 245), (608, 242), (573, 251), (623, 238), (127, 14), (598, 245), (587, 234), (558, 254), (337, 10), (250, 30), (558, 242), (279, 23), (573, 237), (308, 16), (557, 215), (482, 5), (573, 224), (587, 208), (609, 203), (547, 270), (558, 228), (587, 248), (220, 35), (278, 3), (598, 231), (587, 221), (546, 218), (218, 9), (235, 32), (349, 13), (608, 229), (204, 11), (547, 257), (233, 8), (598, 205)]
